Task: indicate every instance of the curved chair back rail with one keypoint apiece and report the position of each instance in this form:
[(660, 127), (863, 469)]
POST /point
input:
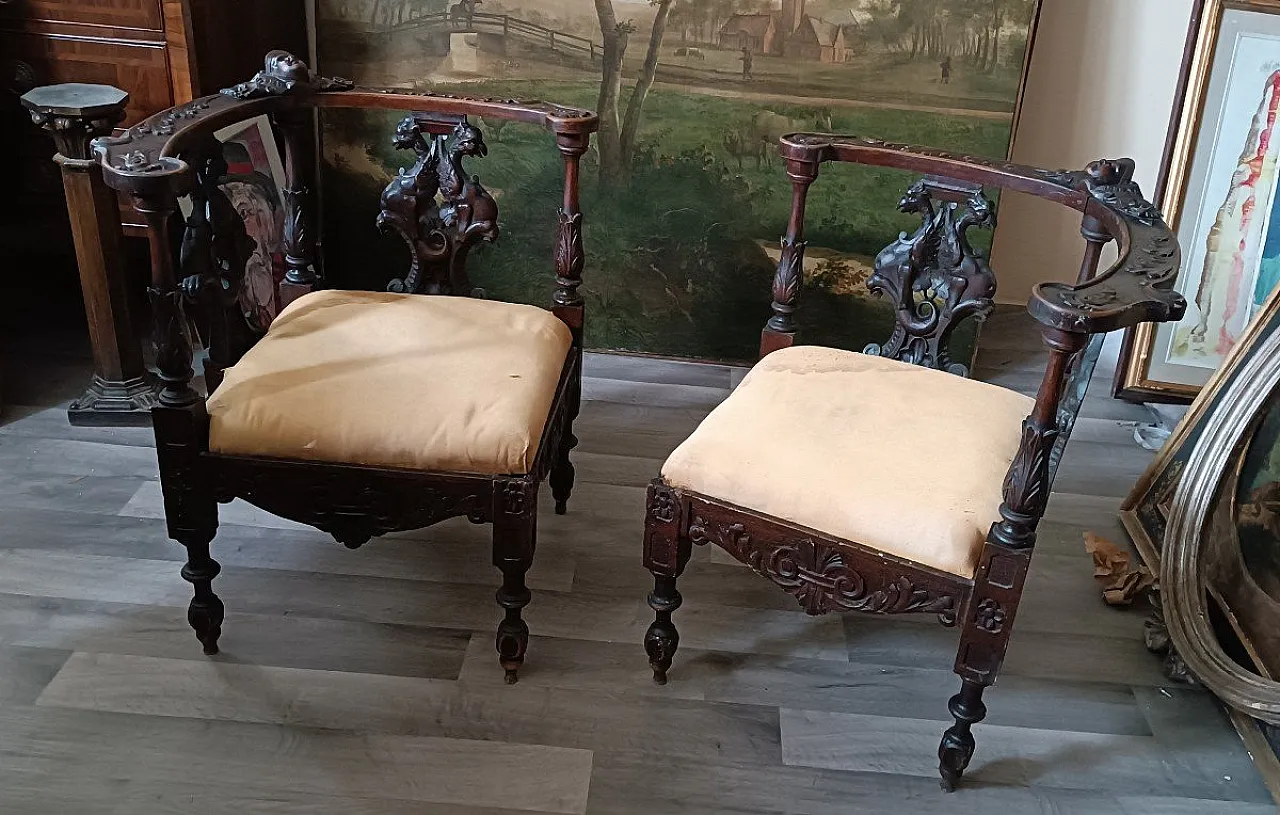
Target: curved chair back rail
[(1137, 288), (436, 206)]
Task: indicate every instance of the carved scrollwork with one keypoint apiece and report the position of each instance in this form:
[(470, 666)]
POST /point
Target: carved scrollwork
[(818, 574), (438, 208), (328, 501), (284, 74), (166, 123), (934, 278)]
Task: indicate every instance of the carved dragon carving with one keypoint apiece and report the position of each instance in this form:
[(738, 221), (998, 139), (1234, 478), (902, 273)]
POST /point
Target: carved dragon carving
[(819, 576), (438, 208), (934, 278)]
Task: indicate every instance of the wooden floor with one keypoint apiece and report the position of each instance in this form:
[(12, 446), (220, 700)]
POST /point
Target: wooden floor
[(366, 682)]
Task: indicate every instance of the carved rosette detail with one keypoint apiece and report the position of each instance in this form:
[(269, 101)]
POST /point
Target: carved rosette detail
[(818, 575), (786, 285), (990, 616), (663, 506), (934, 278), (569, 258), (515, 498)]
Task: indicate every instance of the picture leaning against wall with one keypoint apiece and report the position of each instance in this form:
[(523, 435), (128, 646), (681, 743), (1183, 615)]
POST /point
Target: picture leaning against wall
[(684, 195), (1220, 194)]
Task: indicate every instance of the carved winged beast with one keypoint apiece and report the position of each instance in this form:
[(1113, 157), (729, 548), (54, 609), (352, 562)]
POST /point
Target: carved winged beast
[(934, 278), (438, 208)]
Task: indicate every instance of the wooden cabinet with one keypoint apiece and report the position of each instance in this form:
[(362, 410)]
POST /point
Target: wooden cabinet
[(162, 52)]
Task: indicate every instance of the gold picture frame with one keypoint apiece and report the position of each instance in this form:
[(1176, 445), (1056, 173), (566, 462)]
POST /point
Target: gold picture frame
[(1147, 371)]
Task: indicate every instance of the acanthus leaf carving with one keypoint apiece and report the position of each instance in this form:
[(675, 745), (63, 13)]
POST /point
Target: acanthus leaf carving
[(569, 258), (819, 575), (786, 285)]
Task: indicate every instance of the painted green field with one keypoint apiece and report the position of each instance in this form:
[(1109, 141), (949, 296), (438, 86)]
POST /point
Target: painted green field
[(674, 266)]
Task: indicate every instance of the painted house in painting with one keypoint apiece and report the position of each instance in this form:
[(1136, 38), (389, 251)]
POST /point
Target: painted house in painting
[(789, 32)]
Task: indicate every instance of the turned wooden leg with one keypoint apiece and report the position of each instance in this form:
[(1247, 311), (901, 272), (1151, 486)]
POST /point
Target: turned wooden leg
[(562, 470), (513, 545), (662, 639), (205, 612), (957, 745)]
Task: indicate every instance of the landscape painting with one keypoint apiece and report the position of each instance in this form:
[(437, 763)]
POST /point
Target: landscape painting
[(684, 197)]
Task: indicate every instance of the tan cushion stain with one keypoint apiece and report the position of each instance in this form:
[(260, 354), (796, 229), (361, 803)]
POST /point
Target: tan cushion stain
[(422, 382), (907, 460)]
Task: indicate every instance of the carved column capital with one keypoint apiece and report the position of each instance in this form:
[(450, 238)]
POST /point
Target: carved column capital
[(75, 114)]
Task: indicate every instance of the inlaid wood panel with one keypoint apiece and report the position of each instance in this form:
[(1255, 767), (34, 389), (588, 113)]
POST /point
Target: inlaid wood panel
[(122, 13)]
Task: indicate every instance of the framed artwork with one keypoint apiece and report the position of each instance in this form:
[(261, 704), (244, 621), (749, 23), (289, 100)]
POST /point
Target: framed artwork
[(1219, 192), (1205, 516), (684, 195), (254, 178)]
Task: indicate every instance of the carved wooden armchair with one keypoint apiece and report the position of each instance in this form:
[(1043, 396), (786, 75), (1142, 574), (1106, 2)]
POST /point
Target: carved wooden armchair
[(883, 482), (358, 413)]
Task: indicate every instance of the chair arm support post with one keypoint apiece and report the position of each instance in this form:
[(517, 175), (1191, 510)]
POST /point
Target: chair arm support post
[(1096, 238), (780, 331), (172, 335), (569, 255), (1026, 485), (297, 129)]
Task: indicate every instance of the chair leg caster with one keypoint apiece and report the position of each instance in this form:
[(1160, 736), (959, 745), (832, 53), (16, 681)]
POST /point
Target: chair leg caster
[(511, 677), (659, 676), (562, 507)]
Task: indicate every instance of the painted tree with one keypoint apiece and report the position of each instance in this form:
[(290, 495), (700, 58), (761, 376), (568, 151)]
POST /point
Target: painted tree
[(618, 130)]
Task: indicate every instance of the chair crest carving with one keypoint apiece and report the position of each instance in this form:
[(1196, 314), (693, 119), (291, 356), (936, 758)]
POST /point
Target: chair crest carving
[(438, 208), (282, 74), (934, 278)]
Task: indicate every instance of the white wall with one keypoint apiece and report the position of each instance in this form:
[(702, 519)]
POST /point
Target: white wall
[(1101, 85)]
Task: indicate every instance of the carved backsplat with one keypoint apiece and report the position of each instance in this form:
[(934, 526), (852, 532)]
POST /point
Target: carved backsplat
[(934, 278), (439, 209)]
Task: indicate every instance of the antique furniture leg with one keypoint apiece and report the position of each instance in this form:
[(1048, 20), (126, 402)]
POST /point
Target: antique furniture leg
[(562, 471), (182, 428), (567, 304), (515, 530), (666, 552), (121, 391)]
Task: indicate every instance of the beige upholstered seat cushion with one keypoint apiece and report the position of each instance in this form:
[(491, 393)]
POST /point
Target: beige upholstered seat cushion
[(395, 380), (904, 459)]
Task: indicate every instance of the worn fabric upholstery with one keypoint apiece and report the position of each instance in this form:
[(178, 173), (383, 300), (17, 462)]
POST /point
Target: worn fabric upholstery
[(395, 380), (904, 459)]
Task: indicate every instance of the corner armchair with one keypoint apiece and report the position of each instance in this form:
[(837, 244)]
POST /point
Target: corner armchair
[(886, 482), (358, 413)]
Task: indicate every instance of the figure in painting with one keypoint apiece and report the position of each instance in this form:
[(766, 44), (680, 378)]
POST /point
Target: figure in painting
[(945, 67), (1226, 297), (746, 63), (257, 201)]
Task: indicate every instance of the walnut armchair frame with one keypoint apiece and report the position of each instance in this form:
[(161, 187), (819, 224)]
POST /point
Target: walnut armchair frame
[(198, 265), (935, 279)]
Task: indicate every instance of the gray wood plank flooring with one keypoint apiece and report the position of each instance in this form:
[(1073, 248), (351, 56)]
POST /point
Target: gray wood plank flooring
[(365, 682)]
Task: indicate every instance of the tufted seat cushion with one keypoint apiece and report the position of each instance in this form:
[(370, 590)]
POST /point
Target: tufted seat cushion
[(907, 460), (430, 383)]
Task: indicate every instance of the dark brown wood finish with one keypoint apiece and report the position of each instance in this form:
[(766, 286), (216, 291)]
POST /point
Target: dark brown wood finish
[(936, 279), (171, 154), (74, 114), (164, 52)]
